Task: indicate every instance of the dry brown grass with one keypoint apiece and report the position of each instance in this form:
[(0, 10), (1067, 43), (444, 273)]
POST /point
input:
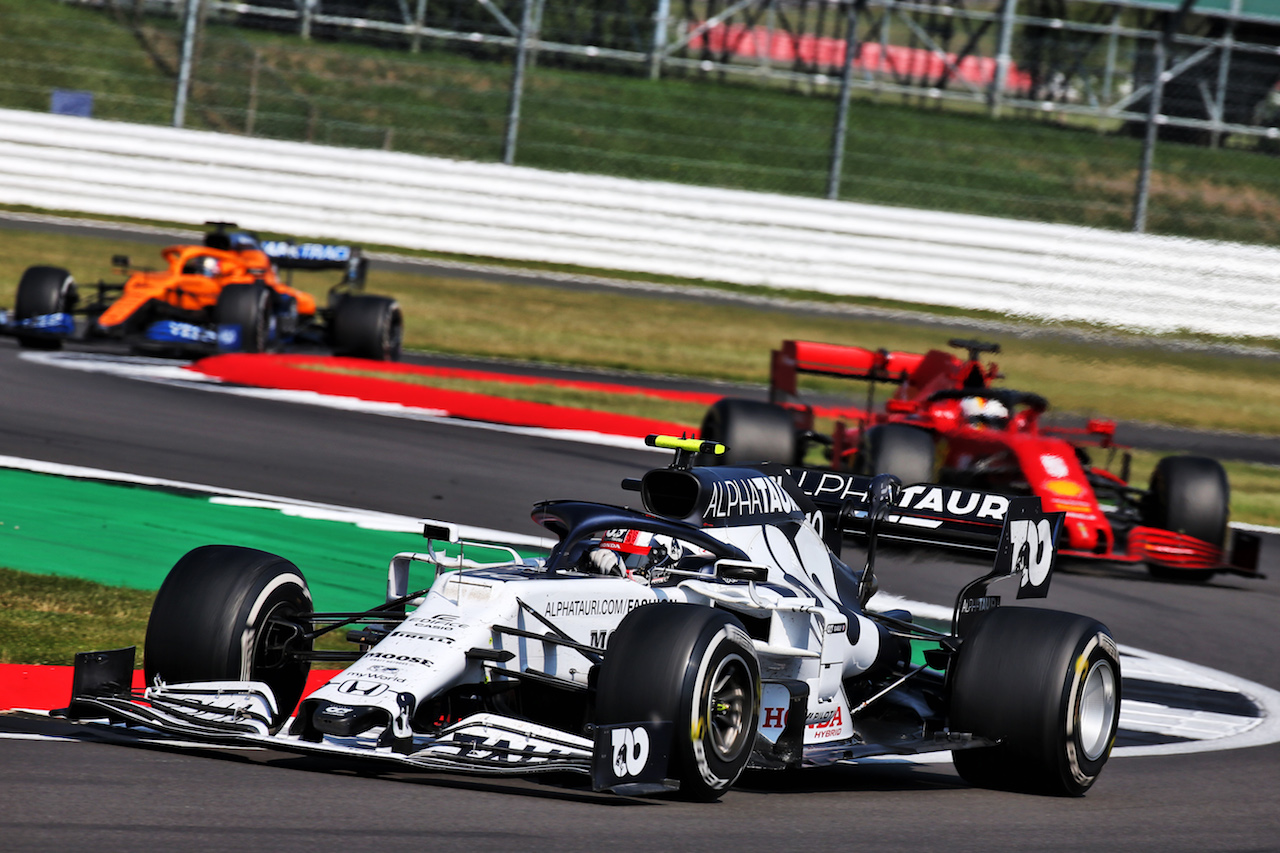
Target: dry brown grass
[(1172, 191)]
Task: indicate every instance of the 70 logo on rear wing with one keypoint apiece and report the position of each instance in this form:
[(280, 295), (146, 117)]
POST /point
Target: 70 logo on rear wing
[(1028, 549)]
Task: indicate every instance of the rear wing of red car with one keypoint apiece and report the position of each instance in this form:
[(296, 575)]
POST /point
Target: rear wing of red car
[(846, 362), (916, 374)]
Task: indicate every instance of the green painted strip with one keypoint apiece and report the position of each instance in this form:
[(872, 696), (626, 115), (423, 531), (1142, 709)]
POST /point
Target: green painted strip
[(126, 535)]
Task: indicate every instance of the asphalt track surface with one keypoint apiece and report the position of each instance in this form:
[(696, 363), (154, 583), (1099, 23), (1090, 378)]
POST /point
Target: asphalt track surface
[(89, 795)]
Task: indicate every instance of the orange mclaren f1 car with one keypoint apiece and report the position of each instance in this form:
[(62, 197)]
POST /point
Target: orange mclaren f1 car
[(223, 295)]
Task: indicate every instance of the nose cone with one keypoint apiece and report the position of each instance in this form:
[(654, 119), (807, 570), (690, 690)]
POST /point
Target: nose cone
[(1082, 536)]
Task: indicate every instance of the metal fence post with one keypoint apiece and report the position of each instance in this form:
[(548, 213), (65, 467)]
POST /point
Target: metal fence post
[(534, 36), (517, 85), (1003, 58), (1164, 43), (660, 19), (1109, 69), (842, 110), (184, 66), (251, 113), (419, 19), (1224, 72)]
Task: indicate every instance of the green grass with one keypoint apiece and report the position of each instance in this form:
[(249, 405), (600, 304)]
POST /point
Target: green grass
[(692, 128), (47, 619), (1255, 493)]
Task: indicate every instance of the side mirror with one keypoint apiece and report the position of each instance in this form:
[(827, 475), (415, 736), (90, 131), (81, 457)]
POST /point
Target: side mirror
[(740, 570), (439, 531)]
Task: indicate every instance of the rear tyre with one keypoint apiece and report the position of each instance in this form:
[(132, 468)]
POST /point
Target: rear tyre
[(43, 290), (1188, 494), (752, 431), (367, 326), (695, 666), (249, 307), (231, 613), (1046, 685), (906, 452)]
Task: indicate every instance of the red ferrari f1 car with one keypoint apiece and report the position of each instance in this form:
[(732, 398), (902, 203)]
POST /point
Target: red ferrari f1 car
[(223, 295), (946, 423)]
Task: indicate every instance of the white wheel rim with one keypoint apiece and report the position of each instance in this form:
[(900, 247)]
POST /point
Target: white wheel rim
[(1097, 709)]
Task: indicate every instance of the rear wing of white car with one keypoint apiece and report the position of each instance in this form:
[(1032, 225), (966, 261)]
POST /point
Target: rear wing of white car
[(920, 514)]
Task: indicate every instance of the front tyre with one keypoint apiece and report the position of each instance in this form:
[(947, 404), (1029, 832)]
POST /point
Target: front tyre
[(1046, 686), (248, 307), (42, 291), (226, 613), (695, 666), (1188, 494)]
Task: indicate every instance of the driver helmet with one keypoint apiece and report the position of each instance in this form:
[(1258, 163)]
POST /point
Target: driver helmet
[(984, 410), (205, 265)]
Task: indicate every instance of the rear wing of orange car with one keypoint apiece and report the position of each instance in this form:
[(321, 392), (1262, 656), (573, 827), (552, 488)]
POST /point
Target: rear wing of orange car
[(288, 255)]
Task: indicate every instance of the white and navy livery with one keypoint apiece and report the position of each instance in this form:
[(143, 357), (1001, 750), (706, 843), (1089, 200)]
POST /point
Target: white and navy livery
[(742, 641)]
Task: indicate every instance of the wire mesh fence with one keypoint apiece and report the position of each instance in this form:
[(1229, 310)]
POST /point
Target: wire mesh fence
[(698, 91)]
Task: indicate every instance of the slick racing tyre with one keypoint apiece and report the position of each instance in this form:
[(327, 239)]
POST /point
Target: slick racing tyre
[(247, 306), (752, 431), (904, 451), (43, 290), (696, 667), (368, 327), (226, 613), (1046, 686), (1188, 494)]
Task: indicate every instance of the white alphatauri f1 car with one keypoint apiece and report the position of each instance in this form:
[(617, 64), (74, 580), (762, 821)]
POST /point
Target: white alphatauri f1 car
[(655, 650)]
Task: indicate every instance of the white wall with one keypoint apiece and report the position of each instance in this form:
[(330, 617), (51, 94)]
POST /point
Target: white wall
[(490, 210)]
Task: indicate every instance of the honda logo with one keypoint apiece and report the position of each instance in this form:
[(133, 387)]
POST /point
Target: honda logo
[(367, 689)]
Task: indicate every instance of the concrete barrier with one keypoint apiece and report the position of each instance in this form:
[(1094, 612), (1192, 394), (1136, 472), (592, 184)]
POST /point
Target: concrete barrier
[(1049, 272)]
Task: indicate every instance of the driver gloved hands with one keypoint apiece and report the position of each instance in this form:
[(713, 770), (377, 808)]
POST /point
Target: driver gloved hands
[(606, 562)]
